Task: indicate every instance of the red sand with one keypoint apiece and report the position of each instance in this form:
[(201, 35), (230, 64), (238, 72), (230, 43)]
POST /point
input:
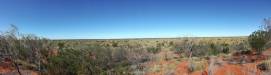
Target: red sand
[(223, 69)]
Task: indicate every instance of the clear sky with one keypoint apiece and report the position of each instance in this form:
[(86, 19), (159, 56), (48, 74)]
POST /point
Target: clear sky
[(100, 19)]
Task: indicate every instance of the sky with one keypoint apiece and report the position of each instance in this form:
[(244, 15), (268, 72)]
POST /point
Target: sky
[(107, 19)]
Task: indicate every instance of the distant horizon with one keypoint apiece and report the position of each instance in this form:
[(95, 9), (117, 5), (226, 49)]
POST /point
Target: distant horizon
[(107, 19), (181, 36), (149, 38)]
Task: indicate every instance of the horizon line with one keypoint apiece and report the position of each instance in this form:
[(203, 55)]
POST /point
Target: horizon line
[(149, 38)]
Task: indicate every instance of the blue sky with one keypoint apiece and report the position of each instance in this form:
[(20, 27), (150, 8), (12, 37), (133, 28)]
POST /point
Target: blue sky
[(105, 19)]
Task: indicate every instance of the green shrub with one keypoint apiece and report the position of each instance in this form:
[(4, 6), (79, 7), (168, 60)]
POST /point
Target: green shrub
[(179, 50), (115, 44), (153, 50), (171, 43), (225, 48), (68, 62), (213, 50), (61, 45), (257, 40)]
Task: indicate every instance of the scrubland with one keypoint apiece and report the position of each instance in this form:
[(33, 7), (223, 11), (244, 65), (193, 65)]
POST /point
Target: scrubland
[(25, 54)]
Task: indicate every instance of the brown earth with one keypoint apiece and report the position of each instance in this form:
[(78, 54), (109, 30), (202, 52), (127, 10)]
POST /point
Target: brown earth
[(221, 66), (6, 68), (226, 68)]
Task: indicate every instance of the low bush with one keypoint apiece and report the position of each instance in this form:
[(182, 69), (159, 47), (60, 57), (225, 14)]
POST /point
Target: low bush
[(257, 40), (154, 50)]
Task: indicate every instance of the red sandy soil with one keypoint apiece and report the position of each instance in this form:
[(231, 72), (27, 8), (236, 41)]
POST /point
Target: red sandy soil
[(162, 67), (6, 68), (162, 63), (182, 68), (224, 68), (267, 52), (23, 72)]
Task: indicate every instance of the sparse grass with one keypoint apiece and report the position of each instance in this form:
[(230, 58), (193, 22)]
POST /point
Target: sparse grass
[(116, 56)]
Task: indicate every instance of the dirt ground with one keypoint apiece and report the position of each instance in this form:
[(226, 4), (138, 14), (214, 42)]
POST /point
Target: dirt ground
[(6, 68), (215, 66)]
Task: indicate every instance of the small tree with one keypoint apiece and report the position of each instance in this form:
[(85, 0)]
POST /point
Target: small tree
[(260, 38), (257, 40), (213, 49), (225, 48)]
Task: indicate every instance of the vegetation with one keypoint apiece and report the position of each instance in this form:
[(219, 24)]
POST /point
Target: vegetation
[(124, 57), (257, 40), (261, 38)]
